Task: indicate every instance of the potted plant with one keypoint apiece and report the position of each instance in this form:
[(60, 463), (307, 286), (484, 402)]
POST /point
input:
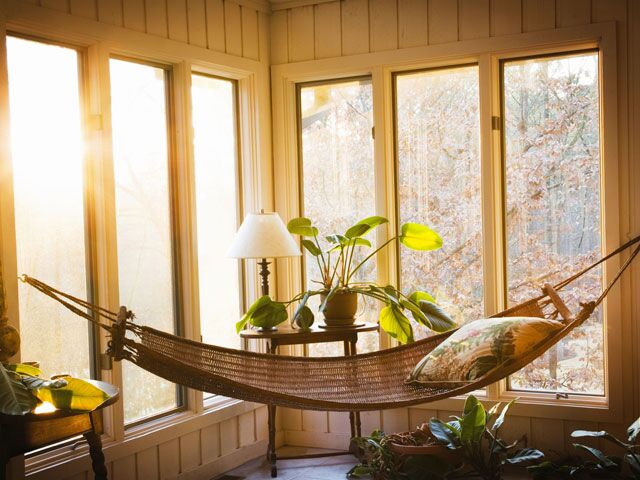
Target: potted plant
[(339, 291)]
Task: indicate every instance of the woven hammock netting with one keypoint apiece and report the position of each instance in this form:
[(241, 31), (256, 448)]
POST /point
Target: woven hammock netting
[(370, 381)]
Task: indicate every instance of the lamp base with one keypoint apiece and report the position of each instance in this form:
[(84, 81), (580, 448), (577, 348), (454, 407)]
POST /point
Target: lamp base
[(267, 329), (264, 273)]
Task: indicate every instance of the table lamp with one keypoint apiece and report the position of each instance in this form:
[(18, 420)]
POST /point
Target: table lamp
[(263, 235)]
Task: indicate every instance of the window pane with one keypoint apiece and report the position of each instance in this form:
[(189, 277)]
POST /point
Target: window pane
[(217, 197), (553, 205), (338, 179), (438, 145), (47, 154), (141, 169)]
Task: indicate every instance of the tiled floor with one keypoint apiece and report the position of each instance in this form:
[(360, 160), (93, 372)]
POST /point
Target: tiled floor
[(325, 468)]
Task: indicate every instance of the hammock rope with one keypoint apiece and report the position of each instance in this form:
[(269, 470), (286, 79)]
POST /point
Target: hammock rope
[(369, 381)]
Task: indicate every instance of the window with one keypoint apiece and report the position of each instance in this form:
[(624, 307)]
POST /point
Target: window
[(48, 182), (553, 221), (144, 221), (438, 155), (338, 183), (217, 207)]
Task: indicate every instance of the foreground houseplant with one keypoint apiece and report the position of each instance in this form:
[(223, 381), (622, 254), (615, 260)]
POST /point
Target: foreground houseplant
[(338, 289), (465, 447)]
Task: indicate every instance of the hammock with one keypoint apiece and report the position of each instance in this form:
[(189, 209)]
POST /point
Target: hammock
[(370, 381)]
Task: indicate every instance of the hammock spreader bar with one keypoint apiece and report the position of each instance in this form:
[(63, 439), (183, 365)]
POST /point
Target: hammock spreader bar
[(369, 381)]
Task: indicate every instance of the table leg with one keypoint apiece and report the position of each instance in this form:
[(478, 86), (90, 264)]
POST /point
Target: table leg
[(95, 451), (4, 457), (271, 448)]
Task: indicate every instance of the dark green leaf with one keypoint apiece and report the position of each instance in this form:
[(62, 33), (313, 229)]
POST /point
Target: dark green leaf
[(634, 430), (500, 420), (15, 397), (337, 239), (255, 306), (417, 314), (634, 464), (263, 313), (443, 433), (311, 247), (601, 457), (332, 292), (525, 455), (393, 321), (419, 237), (587, 433), (426, 467), (302, 226), (304, 318), (358, 242), (356, 231), (440, 321), (34, 383)]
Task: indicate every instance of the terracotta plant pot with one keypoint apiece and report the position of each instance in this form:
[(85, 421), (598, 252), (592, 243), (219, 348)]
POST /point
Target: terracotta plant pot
[(341, 309)]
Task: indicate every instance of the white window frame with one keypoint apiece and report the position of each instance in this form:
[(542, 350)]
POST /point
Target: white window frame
[(100, 43), (487, 54)]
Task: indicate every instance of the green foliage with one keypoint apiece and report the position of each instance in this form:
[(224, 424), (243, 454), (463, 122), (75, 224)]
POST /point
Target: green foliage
[(263, 313), (21, 389), (472, 440), (338, 268)]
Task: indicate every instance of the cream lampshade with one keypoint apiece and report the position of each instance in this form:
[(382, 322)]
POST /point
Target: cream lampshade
[(263, 235)]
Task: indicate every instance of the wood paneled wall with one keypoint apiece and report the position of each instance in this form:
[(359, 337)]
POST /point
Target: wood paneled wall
[(224, 26), (351, 27)]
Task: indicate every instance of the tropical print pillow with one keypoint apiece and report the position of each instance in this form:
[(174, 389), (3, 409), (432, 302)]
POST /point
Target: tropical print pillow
[(480, 346)]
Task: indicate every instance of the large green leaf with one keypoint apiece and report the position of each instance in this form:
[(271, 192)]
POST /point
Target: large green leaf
[(34, 383), (15, 398), (418, 296), (417, 314), (601, 457), (302, 226), (336, 239), (265, 313), (473, 421), (364, 226), (393, 321), (78, 394), (419, 237), (444, 433), (29, 369), (440, 321)]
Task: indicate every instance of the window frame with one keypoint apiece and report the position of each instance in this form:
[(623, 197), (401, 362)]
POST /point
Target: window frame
[(487, 55), (254, 159)]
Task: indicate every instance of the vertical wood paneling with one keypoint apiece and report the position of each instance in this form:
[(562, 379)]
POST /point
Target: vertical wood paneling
[(156, 15), (412, 23), (443, 21), (506, 17), (250, 42), (279, 40), (210, 443), (264, 35), (395, 420), (538, 15), (84, 8), (339, 422), (215, 25), (514, 428), (60, 5), (573, 12), (262, 430), (233, 28), (169, 458), (190, 451), (383, 25), (147, 463), (301, 27), (79, 476), (197, 22), (124, 467), (547, 435), (328, 37), (355, 27), (474, 19), (370, 421), (418, 416), (246, 429), (314, 421), (291, 418), (228, 436), (177, 20), (133, 15), (110, 11)]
